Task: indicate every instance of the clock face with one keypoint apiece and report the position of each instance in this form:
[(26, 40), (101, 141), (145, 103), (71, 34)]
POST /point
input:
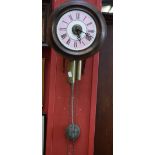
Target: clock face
[(76, 30)]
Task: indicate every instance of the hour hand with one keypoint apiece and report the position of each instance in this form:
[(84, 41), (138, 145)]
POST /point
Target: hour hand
[(79, 38)]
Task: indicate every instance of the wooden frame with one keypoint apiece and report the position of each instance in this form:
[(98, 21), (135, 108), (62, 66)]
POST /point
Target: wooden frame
[(45, 13)]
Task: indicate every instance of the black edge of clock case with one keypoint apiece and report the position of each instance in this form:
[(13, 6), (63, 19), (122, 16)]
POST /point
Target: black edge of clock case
[(68, 6), (108, 18)]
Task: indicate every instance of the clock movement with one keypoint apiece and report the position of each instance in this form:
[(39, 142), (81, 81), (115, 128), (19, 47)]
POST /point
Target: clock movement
[(76, 30)]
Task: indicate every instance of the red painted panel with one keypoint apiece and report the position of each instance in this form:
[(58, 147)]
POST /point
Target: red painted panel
[(57, 99)]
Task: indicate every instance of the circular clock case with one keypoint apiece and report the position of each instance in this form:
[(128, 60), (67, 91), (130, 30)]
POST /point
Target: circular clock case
[(76, 30)]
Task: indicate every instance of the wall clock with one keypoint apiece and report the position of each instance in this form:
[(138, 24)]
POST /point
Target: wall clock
[(76, 30)]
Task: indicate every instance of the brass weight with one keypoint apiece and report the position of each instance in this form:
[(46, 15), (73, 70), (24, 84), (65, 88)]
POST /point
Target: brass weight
[(79, 70), (74, 71)]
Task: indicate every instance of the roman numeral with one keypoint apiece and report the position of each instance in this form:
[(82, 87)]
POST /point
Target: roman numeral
[(68, 41), (91, 31), (89, 23), (75, 44), (65, 22), (83, 43), (63, 29), (77, 15), (84, 18), (64, 36), (88, 37), (70, 17)]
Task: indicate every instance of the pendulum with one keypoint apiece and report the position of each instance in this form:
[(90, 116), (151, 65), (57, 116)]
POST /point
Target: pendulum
[(73, 130)]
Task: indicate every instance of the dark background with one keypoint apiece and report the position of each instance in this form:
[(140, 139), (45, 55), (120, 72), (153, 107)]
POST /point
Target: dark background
[(104, 113)]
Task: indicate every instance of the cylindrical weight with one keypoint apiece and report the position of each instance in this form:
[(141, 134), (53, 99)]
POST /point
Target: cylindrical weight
[(72, 72), (79, 70)]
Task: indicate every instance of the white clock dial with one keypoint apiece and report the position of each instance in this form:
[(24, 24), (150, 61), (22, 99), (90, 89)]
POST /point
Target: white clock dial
[(76, 30)]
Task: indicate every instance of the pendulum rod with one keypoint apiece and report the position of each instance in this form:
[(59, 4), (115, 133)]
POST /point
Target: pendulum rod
[(73, 130), (71, 79), (74, 73), (72, 102)]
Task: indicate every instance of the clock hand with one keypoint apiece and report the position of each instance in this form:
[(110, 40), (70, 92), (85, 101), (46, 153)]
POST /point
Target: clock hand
[(78, 36), (87, 34)]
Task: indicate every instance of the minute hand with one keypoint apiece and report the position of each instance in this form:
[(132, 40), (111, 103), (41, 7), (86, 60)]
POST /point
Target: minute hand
[(87, 34)]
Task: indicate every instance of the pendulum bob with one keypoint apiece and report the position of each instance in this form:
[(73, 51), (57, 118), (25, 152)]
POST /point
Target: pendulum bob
[(72, 132)]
